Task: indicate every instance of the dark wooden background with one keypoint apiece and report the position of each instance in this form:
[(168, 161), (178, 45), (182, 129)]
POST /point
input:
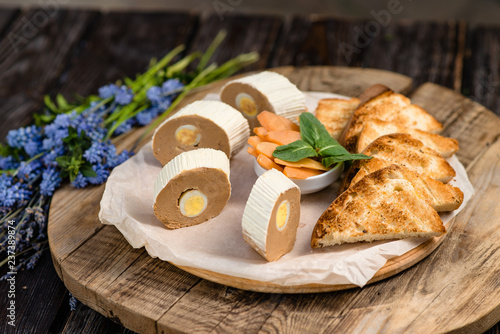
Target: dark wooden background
[(76, 52)]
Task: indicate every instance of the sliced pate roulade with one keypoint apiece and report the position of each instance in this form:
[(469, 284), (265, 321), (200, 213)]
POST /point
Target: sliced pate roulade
[(201, 124), (271, 215), (264, 91), (192, 188)]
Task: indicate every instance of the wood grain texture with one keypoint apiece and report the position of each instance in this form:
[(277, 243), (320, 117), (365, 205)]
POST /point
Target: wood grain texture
[(482, 67), (245, 33), (6, 18), (472, 124), (32, 58), (146, 294), (121, 45), (44, 294), (424, 51)]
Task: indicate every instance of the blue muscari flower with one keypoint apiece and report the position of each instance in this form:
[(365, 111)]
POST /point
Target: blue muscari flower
[(80, 181), (19, 138), (118, 159), (33, 147), (125, 126), (102, 174), (96, 152), (154, 94), (147, 115), (107, 91), (49, 158), (124, 95), (8, 163), (51, 179), (13, 193), (171, 85), (164, 104), (30, 170)]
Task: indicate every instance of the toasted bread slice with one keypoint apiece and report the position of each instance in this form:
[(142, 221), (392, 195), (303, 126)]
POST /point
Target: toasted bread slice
[(334, 114), (375, 128), (441, 196), (383, 205), (401, 149), (391, 107)]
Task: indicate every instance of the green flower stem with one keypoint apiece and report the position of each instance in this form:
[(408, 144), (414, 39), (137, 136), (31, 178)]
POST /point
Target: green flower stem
[(210, 50)]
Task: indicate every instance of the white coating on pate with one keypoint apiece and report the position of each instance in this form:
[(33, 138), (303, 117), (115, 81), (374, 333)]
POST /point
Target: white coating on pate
[(259, 207), (226, 117), (203, 157), (286, 99)]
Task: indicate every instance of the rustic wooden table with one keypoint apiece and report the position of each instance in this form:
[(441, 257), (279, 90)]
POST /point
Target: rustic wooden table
[(43, 51)]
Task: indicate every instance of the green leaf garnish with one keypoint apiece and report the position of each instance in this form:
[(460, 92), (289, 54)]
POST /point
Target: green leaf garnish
[(316, 142), (295, 151)]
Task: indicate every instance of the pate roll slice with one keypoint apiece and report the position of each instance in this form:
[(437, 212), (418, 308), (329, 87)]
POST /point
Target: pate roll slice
[(271, 215), (264, 91), (192, 188), (201, 124), (382, 205)]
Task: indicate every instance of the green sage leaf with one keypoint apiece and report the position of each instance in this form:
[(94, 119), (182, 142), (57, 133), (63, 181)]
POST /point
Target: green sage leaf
[(295, 151)]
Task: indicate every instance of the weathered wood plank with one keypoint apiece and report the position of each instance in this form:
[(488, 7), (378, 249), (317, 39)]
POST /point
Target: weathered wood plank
[(437, 56), (317, 41), (245, 33), (472, 124), (122, 44), (6, 18), (482, 67), (31, 65), (38, 296), (424, 51), (86, 320)]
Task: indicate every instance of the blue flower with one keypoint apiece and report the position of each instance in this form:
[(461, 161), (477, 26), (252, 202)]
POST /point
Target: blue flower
[(28, 171), (96, 152), (51, 179), (124, 96), (102, 174), (107, 91), (154, 94), (49, 158), (171, 85), (13, 193), (33, 147), (125, 126), (21, 137), (118, 159), (8, 163), (80, 181), (147, 115)]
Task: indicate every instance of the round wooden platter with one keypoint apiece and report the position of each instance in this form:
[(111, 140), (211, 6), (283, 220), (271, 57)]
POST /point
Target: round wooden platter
[(456, 287)]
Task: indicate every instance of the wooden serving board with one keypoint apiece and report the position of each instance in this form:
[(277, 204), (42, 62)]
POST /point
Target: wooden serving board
[(457, 287)]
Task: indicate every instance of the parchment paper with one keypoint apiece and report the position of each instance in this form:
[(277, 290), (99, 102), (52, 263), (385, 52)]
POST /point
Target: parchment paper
[(217, 245)]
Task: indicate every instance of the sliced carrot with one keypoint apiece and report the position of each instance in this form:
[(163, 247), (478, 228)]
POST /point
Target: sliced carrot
[(261, 132), (267, 163), (254, 141), (306, 163), (283, 137), (267, 149), (252, 151), (272, 122), (300, 173)]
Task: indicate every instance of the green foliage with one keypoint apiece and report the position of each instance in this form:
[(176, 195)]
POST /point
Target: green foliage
[(316, 142)]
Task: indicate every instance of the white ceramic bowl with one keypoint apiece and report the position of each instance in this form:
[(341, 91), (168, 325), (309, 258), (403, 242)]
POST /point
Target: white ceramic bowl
[(311, 184)]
